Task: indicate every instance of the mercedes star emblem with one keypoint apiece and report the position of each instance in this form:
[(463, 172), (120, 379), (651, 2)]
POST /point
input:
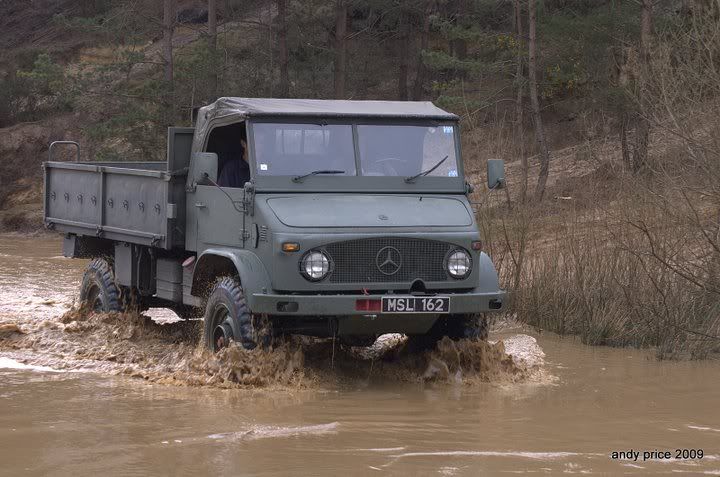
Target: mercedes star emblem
[(388, 260)]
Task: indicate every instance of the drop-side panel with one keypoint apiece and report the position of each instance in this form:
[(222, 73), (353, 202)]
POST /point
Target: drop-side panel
[(123, 204), (73, 195), (136, 203)]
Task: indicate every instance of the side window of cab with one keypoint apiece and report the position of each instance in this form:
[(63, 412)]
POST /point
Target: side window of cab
[(230, 144)]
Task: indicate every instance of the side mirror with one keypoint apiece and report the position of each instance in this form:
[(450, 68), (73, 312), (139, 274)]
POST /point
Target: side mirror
[(496, 173), (203, 166)]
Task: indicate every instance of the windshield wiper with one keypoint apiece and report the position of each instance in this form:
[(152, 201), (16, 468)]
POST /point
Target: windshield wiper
[(424, 173), (315, 173)]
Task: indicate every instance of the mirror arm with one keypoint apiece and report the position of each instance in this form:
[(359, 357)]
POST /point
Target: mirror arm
[(500, 184)]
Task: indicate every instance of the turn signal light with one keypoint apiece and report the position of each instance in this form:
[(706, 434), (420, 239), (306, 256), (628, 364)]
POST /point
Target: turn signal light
[(477, 245), (365, 304), (290, 247)]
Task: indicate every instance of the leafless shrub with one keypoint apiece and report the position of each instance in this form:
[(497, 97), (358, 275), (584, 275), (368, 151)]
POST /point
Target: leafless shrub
[(641, 270)]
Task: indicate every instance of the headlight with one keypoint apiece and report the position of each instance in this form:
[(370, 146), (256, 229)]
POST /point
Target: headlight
[(315, 265), (459, 264)]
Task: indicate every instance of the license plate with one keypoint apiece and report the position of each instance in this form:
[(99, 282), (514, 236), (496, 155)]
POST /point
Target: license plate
[(415, 304)]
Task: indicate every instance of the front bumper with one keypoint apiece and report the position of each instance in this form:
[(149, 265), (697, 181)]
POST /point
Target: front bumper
[(345, 305)]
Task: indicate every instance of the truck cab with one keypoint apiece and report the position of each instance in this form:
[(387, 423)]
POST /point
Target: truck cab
[(353, 221)]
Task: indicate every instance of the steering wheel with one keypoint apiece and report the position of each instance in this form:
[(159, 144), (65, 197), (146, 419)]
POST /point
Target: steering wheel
[(385, 166)]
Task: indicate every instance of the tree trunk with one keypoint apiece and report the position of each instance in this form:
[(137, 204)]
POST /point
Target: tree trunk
[(168, 25), (642, 131), (212, 42), (283, 47), (519, 110), (403, 27), (458, 46), (339, 66), (535, 103), (624, 124), (418, 86)]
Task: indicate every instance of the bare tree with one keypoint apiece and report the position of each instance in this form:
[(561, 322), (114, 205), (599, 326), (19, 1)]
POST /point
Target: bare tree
[(535, 103), (339, 67), (642, 132), (168, 26), (283, 47), (519, 110), (418, 85), (212, 41), (403, 50), (624, 146)]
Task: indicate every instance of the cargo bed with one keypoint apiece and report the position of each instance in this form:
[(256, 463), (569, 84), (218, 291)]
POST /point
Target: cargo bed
[(135, 202)]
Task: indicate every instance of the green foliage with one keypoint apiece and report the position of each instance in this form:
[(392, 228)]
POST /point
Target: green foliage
[(27, 95), (46, 78), (563, 79), (124, 21), (469, 62), (577, 44)]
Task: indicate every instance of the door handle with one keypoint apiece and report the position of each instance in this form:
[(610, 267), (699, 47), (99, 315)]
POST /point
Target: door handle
[(200, 205)]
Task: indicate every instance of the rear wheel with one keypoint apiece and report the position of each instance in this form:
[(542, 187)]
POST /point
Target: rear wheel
[(98, 290), (228, 319)]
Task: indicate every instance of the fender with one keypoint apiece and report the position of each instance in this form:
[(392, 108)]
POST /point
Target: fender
[(488, 277), (254, 277)]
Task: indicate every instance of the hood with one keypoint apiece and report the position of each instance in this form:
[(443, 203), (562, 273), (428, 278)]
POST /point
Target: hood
[(321, 210)]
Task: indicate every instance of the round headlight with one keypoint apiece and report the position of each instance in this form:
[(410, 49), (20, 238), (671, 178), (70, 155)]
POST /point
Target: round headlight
[(315, 265), (459, 264)]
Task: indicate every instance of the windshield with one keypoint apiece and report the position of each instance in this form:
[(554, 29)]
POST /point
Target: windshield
[(390, 150), (407, 150), (298, 149)]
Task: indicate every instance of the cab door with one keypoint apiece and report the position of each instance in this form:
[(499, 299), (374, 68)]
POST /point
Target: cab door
[(220, 216)]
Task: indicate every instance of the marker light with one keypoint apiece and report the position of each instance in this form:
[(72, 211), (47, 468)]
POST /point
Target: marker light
[(290, 247)]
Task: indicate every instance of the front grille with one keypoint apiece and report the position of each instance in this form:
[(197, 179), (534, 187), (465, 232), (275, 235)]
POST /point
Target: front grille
[(356, 261)]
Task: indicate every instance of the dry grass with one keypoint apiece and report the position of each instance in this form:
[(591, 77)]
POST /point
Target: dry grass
[(625, 261)]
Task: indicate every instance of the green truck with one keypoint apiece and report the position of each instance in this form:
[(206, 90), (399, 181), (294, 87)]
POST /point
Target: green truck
[(351, 220)]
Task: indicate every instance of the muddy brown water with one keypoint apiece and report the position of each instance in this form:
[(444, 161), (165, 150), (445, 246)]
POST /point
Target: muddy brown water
[(73, 400)]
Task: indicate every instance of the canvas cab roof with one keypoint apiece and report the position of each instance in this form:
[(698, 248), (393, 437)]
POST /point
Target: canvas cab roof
[(238, 109)]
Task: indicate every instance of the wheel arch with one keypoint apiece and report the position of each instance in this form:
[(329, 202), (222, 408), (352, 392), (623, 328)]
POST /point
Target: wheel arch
[(244, 264)]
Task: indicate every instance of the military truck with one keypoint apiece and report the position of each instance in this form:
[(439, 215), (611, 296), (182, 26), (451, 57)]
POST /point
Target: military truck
[(354, 221)]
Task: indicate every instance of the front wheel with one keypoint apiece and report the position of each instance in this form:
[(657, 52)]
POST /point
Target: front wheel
[(228, 319), (471, 327), (455, 327)]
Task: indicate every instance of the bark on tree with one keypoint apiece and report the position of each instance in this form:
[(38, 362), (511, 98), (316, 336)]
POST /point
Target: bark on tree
[(283, 49), (404, 30), (624, 125), (519, 110), (535, 103), (212, 43), (418, 85), (458, 46), (642, 131), (339, 67), (168, 25)]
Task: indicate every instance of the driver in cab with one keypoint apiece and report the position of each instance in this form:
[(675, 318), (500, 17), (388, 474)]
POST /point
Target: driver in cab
[(236, 171)]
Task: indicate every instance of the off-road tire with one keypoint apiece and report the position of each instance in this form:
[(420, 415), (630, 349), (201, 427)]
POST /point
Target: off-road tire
[(360, 341), (227, 301), (472, 327), (131, 300), (98, 289), (455, 327)]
